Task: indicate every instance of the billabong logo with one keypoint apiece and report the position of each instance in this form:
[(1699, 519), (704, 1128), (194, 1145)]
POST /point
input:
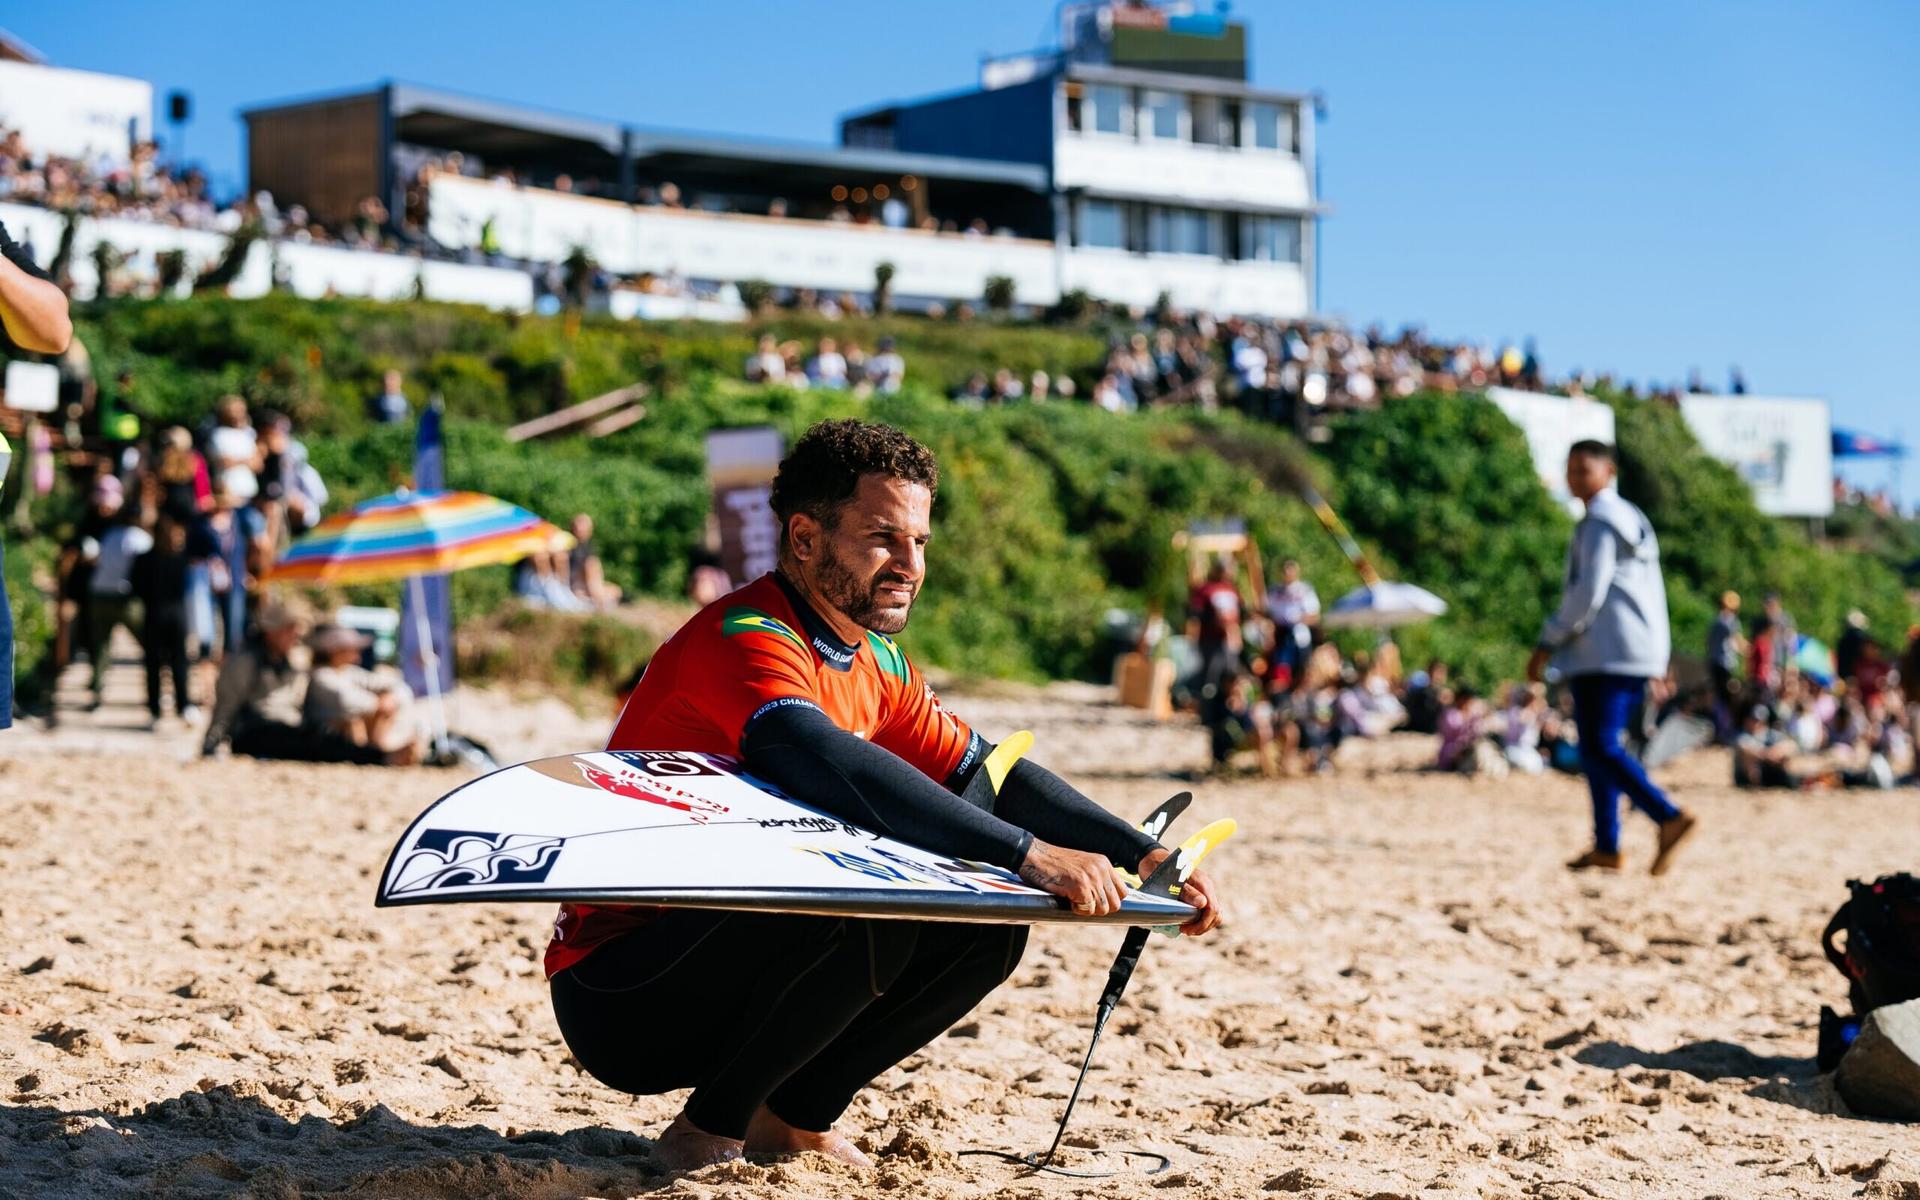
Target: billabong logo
[(443, 858)]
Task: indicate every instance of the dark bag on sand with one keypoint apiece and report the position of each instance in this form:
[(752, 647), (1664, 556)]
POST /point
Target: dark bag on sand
[(1882, 954)]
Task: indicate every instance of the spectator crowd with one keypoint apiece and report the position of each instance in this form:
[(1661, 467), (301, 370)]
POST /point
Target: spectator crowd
[(1263, 680)]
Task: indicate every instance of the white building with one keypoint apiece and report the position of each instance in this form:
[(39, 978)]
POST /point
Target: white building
[(1132, 161)]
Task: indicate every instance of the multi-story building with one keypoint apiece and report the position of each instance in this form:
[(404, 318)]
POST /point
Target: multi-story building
[(1130, 162)]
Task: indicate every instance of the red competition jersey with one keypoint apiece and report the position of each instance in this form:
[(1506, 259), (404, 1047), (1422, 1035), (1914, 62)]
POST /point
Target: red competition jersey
[(740, 656)]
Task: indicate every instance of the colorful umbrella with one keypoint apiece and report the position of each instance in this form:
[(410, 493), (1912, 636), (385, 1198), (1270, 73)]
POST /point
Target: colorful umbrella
[(415, 533), (411, 534), (1814, 660)]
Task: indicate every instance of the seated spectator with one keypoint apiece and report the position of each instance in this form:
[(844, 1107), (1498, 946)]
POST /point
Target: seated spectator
[(584, 572), (1762, 751), (1461, 726), (540, 581), (1427, 696), (766, 364), (972, 394), (260, 697), (1560, 736), (1520, 728), (345, 699), (887, 370), (707, 580), (390, 406), (827, 368)]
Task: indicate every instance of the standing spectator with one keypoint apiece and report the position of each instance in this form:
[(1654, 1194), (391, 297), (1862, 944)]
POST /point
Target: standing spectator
[(1213, 626), (1786, 637), (390, 407), (233, 449), (1610, 634), (1725, 647), (33, 317), (226, 542), (110, 603), (75, 568), (1846, 651), (160, 582), (1763, 670), (1294, 607), (186, 488)]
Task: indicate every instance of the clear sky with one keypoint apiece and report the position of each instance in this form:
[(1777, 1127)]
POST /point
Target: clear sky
[(1644, 187)]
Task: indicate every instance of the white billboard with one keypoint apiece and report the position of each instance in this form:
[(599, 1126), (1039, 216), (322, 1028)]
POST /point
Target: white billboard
[(1552, 425), (74, 114), (1782, 447)]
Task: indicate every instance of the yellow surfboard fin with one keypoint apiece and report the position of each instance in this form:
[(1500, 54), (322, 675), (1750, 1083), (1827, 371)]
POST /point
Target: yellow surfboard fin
[(1007, 753)]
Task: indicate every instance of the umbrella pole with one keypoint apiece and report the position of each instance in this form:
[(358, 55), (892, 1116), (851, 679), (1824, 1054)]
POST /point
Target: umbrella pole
[(429, 664)]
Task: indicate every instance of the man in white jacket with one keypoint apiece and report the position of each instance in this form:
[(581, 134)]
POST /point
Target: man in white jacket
[(1609, 637)]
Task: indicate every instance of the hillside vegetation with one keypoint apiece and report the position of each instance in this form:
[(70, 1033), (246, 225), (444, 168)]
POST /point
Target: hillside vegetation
[(1048, 516)]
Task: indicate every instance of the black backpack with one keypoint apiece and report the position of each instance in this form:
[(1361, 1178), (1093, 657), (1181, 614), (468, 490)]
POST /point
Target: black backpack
[(1882, 955)]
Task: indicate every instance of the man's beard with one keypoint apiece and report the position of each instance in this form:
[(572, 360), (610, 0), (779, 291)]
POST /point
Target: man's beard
[(859, 598)]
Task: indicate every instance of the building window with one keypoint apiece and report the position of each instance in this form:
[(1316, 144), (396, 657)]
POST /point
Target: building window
[(1210, 127), (1112, 109), (1267, 127), (1103, 223), (1270, 239), (1183, 231), (1164, 115)]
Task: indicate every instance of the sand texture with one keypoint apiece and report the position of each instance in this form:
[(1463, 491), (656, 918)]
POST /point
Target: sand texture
[(1411, 999)]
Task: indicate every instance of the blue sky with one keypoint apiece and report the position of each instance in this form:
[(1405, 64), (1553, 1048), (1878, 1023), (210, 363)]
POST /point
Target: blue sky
[(1643, 187)]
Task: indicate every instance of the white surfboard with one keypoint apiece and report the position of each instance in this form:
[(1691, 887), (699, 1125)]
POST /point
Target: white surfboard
[(683, 829)]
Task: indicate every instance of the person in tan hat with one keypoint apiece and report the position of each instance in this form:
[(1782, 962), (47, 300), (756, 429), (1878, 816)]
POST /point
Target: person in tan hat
[(365, 707)]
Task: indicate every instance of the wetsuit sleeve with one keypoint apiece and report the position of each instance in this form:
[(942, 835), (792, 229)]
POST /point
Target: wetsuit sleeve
[(797, 748), (1036, 799), (918, 728)]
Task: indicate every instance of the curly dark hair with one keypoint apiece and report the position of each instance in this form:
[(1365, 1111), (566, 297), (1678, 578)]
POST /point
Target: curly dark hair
[(824, 467)]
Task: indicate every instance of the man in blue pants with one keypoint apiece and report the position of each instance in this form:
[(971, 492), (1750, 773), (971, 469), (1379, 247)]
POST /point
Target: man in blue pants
[(1610, 637)]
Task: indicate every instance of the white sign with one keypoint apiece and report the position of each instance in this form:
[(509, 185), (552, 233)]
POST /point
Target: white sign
[(33, 387), (1552, 424), (1782, 447), (75, 114)]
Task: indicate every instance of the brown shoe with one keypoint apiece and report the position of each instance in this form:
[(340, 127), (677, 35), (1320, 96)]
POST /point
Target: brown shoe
[(1598, 860), (1672, 833)]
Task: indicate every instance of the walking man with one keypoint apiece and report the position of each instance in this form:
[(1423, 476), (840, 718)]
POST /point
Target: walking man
[(1610, 637)]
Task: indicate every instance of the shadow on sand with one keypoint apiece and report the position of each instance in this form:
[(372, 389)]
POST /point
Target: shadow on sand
[(1783, 1079), (219, 1143)]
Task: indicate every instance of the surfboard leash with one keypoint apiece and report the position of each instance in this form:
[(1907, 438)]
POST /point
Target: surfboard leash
[(1165, 881)]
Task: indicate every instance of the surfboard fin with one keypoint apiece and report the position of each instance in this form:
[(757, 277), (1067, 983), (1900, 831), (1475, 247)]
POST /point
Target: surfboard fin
[(1155, 827), (986, 781), (1181, 864)]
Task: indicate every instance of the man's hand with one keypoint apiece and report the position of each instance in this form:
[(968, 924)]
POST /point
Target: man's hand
[(1198, 891), (1537, 664), (1086, 881)]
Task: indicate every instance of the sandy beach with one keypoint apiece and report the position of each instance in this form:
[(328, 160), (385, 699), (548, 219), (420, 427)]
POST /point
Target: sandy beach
[(1411, 998)]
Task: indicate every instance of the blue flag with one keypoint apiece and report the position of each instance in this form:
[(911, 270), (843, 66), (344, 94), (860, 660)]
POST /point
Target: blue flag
[(429, 475), (1849, 444)]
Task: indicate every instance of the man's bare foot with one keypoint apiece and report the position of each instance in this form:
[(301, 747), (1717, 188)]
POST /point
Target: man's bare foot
[(684, 1146), (768, 1134)]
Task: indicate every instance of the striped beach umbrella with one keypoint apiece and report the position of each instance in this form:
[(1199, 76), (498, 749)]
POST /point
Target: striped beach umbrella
[(415, 533)]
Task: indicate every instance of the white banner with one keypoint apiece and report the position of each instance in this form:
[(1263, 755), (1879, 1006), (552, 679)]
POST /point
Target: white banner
[(74, 114), (1552, 425), (1782, 447)]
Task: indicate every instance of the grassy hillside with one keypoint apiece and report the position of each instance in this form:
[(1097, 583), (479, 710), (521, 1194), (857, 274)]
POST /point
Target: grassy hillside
[(1048, 515)]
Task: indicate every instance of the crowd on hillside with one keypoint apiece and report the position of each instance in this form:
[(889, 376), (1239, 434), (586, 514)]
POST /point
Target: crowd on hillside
[(1264, 680)]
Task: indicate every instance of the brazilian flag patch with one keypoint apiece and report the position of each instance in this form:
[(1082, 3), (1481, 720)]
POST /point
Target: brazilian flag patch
[(888, 655), (752, 620)]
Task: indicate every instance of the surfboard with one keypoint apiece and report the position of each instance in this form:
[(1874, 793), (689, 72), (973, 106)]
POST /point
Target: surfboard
[(694, 830)]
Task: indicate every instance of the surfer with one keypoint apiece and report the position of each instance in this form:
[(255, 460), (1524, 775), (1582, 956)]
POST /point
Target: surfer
[(777, 1021)]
